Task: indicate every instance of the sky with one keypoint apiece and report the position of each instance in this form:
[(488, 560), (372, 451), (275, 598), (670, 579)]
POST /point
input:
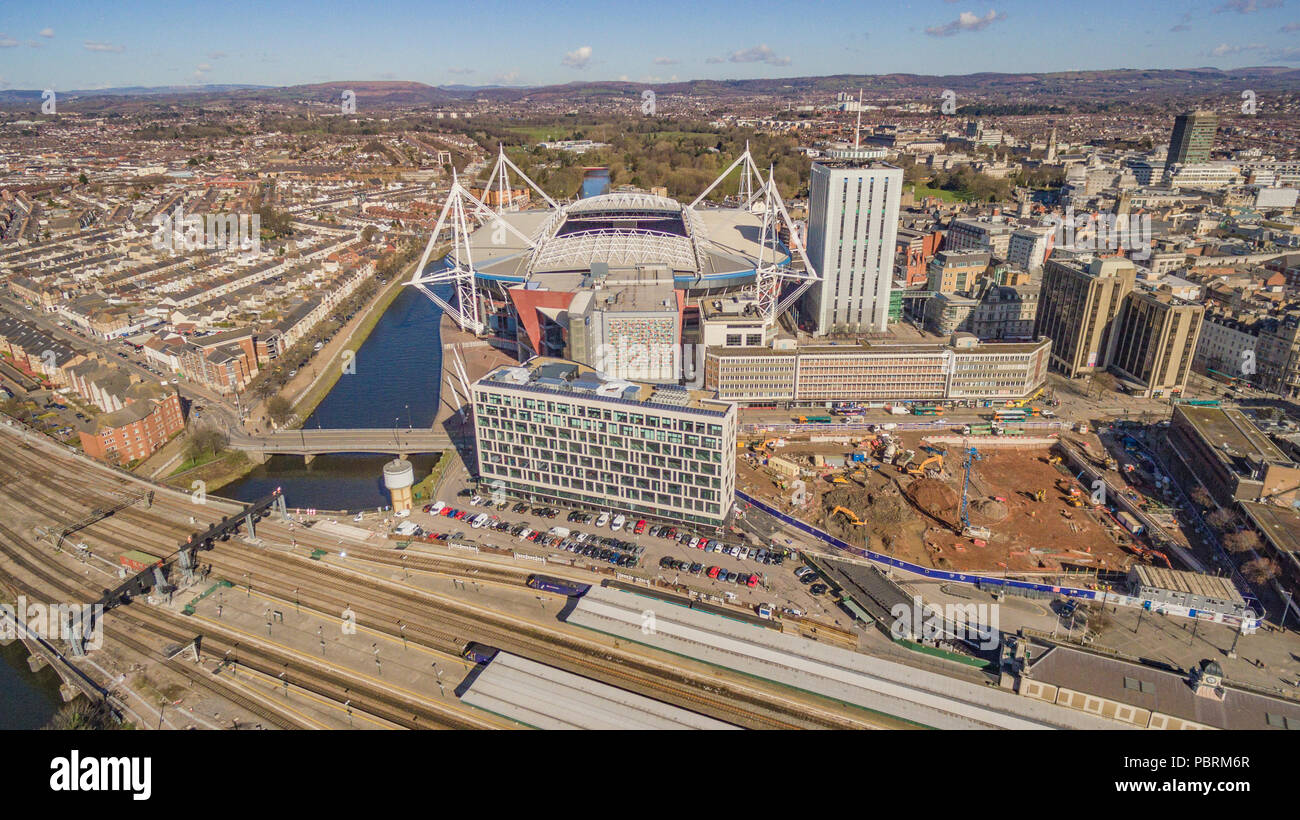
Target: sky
[(72, 46)]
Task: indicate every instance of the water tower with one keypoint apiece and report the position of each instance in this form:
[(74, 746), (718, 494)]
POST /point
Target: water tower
[(399, 475)]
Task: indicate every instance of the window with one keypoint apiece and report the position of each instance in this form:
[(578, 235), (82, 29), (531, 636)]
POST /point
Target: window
[(1139, 685)]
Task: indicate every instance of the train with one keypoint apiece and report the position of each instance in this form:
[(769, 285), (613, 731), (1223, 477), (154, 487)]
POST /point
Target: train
[(548, 584), (479, 652)]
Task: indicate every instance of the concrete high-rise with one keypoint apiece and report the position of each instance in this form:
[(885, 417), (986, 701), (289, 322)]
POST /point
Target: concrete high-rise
[(1193, 138), (852, 228), (1077, 306)]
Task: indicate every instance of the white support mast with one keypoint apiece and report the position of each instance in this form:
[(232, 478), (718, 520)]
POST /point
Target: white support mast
[(771, 274), (460, 209), (501, 176)]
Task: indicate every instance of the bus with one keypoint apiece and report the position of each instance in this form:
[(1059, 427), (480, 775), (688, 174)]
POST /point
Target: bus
[(1009, 414), (814, 419), (927, 410), (846, 408)]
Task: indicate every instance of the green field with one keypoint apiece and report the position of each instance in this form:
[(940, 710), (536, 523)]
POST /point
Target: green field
[(922, 191)]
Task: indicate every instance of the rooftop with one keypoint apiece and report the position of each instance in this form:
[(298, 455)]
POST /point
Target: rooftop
[(1191, 583), (561, 376), (1232, 435)]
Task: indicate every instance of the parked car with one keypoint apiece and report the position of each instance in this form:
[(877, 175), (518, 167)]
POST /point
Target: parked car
[(640, 527), (817, 589), (617, 523), (603, 520)]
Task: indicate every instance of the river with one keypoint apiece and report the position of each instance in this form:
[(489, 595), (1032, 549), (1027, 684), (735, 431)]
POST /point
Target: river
[(396, 384), (29, 699)]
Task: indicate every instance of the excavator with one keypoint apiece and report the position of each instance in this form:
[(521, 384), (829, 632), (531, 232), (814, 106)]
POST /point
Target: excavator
[(849, 514), (1025, 402), (1040, 495), (919, 469)]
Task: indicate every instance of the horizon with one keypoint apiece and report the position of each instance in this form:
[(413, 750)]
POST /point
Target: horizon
[(157, 45)]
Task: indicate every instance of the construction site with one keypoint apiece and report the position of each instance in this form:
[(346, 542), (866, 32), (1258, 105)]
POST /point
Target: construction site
[(944, 499)]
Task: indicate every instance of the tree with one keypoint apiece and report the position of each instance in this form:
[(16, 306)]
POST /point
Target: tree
[(279, 409), (1260, 570), (1222, 520), (1242, 541), (83, 179), (203, 441), (1201, 497), (82, 715)]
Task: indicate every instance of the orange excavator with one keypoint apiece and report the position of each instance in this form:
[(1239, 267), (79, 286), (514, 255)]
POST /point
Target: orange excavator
[(849, 514), (919, 469)]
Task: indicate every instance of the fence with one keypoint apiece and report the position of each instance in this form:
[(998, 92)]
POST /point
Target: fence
[(957, 577)]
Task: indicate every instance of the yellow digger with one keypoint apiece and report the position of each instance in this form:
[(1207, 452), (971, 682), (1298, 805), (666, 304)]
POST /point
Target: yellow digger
[(919, 469), (849, 514)]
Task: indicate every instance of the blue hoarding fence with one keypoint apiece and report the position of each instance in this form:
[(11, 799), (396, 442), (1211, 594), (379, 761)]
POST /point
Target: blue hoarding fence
[(955, 577)]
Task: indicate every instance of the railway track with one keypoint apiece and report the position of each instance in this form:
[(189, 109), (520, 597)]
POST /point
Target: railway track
[(323, 680), (439, 623), (446, 624)]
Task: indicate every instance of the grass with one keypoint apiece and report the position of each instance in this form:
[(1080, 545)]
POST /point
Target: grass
[(192, 463), (922, 191)]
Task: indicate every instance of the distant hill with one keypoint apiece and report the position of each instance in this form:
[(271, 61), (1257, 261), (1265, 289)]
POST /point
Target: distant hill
[(1057, 88)]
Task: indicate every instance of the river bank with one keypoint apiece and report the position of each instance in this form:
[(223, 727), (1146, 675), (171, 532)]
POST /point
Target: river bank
[(306, 391)]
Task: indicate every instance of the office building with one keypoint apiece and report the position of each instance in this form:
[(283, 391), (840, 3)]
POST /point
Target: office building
[(877, 372), (852, 232), (1077, 306), (555, 430), (1192, 138), (1028, 248), (956, 271), (1235, 461), (1155, 342)]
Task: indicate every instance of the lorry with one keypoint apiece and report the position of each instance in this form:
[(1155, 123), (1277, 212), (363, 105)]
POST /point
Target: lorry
[(898, 410)]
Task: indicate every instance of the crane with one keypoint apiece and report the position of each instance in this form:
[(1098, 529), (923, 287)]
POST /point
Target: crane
[(972, 455)]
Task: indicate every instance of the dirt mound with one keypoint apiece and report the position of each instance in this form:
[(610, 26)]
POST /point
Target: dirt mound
[(989, 509), (933, 496)]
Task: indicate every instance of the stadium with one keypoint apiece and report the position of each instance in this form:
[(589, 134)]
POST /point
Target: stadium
[(560, 279)]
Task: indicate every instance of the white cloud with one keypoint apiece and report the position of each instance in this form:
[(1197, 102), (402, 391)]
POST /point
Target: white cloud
[(1223, 49), (1247, 6), (46, 32), (966, 21), (578, 58), (666, 61), (714, 60), (460, 71), (758, 54), (508, 78), (7, 42), (92, 45)]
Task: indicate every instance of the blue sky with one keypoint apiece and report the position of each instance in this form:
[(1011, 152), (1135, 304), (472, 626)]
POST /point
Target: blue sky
[(67, 45)]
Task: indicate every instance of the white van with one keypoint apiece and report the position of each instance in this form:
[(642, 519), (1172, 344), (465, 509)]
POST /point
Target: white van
[(437, 507), (602, 520), (562, 532), (619, 521)]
